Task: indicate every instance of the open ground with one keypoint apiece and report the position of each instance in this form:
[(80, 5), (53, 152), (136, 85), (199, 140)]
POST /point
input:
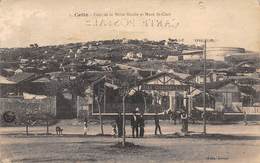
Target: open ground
[(224, 143)]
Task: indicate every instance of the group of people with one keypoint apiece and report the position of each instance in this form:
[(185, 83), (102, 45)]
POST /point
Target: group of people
[(138, 124), (183, 116)]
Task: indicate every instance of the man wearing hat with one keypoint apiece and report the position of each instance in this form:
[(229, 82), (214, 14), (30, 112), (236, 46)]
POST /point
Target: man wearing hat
[(119, 123), (141, 124), (184, 119), (157, 124), (134, 124)]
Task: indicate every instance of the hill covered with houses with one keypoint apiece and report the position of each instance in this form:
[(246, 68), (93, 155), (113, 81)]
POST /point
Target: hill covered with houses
[(83, 71)]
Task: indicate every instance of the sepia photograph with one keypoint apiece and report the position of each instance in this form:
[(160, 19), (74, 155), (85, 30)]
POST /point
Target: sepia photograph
[(120, 81)]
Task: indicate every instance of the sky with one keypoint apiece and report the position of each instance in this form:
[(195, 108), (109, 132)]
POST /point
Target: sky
[(232, 23)]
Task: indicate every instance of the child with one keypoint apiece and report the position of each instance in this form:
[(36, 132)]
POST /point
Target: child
[(114, 130)]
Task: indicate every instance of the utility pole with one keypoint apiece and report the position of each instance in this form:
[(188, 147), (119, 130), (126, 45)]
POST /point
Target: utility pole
[(205, 80), (123, 143), (204, 86), (105, 97)]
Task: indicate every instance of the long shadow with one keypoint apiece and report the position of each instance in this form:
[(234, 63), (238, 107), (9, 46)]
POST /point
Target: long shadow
[(227, 137), (42, 135), (214, 136), (55, 160)]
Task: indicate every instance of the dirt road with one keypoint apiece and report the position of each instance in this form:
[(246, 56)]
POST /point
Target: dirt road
[(225, 143)]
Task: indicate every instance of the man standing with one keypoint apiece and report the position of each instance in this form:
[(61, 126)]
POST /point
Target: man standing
[(85, 127), (119, 123), (134, 125), (157, 124), (175, 116), (141, 124), (184, 119), (245, 118)]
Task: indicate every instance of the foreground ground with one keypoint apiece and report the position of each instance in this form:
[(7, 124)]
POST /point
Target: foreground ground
[(224, 143)]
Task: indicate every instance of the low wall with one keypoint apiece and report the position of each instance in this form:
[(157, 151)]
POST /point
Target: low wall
[(20, 107), (240, 117), (253, 109), (129, 107)]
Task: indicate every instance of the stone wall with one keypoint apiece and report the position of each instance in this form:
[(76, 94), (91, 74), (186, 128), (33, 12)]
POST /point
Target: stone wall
[(20, 107)]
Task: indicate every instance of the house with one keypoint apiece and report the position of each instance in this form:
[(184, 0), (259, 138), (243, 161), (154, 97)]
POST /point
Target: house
[(224, 96), (186, 55), (24, 60), (227, 96), (245, 68), (90, 95), (211, 76), (7, 72), (66, 91), (109, 90), (21, 79), (6, 86), (165, 91), (133, 56), (16, 100)]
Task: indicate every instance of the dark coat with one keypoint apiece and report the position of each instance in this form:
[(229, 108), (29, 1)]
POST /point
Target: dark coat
[(141, 121), (119, 121), (134, 123)]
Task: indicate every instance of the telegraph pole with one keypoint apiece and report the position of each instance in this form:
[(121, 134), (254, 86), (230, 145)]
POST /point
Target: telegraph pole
[(123, 143), (204, 86), (105, 97), (204, 81)]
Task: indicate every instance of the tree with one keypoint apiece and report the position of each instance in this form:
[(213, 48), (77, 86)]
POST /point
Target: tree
[(28, 120), (46, 117), (98, 100), (33, 116), (125, 89), (99, 95)]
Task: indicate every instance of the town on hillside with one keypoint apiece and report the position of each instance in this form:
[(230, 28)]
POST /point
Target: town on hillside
[(129, 100), (91, 78)]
